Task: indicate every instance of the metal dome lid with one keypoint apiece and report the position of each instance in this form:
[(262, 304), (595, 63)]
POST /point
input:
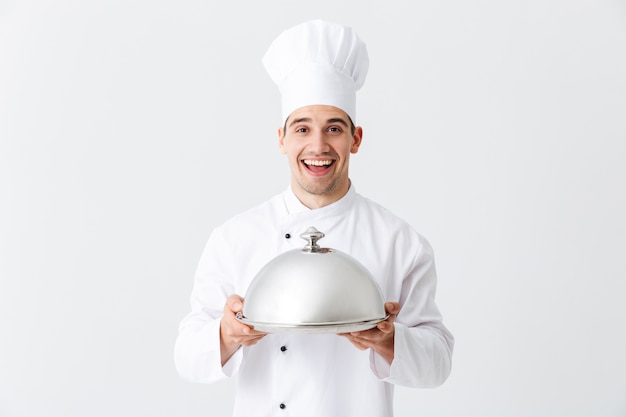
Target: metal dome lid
[(313, 290)]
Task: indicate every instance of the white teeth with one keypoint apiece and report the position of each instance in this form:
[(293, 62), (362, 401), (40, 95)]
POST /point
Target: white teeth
[(317, 163)]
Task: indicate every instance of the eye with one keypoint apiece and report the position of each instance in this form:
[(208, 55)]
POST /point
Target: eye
[(301, 130), (334, 129)]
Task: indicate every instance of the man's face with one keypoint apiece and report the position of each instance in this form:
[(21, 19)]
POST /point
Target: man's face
[(318, 142)]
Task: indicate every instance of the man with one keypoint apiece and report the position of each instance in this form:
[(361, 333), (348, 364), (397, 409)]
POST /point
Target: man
[(318, 67)]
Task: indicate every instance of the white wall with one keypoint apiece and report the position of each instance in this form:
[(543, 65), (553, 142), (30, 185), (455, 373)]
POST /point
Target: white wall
[(128, 129)]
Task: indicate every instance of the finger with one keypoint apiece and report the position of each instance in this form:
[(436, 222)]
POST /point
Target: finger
[(243, 334), (385, 326), (392, 307), (234, 303), (354, 341), (245, 330), (366, 337), (250, 332)]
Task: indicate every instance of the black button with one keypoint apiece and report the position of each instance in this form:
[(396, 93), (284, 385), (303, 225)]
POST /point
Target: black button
[(283, 348), (282, 406), (287, 236)]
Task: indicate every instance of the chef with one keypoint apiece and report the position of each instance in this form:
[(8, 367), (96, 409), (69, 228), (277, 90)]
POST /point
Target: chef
[(318, 67)]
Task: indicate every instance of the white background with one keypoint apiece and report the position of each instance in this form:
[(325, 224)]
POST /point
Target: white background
[(129, 129)]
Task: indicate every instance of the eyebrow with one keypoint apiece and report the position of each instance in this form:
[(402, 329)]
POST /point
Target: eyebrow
[(309, 120)]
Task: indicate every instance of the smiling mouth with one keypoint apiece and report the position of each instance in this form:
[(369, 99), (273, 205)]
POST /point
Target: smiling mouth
[(317, 165)]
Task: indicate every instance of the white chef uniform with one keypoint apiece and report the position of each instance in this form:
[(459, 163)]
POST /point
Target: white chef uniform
[(311, 374)]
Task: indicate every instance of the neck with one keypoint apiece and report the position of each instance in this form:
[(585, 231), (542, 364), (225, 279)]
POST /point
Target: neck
[(315, 201)]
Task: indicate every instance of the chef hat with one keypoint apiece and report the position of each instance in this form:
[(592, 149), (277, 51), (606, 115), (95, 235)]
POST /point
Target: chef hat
[(317, 63)]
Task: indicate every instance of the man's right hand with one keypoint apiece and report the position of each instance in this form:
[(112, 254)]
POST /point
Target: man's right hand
[(233, 333)]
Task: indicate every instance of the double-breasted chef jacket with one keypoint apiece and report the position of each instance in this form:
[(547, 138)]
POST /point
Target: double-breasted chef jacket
[(317, 374)]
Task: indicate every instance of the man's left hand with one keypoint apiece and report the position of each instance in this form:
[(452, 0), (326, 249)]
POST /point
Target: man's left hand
[(379, 338)]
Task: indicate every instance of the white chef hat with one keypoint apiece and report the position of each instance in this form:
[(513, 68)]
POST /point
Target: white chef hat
[(317, 63)]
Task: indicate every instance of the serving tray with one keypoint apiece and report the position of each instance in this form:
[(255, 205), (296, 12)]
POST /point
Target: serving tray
[(312, 328)]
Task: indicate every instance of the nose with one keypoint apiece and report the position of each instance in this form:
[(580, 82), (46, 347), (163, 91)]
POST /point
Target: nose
[(318, 142)]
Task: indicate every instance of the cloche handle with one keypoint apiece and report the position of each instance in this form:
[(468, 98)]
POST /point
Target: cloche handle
[(312, 235)]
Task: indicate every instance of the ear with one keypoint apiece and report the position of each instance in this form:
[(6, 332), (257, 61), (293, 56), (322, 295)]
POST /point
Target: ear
[(281, 141), (356, 139)]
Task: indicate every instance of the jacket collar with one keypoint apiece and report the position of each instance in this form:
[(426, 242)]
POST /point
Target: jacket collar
[(293, 205)]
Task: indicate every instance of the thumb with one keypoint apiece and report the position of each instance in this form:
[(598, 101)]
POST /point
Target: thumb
[(392, 307), (235, 302)]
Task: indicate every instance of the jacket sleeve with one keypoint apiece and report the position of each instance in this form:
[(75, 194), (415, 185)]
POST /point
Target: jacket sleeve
[(422, 344), (197, 349)]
